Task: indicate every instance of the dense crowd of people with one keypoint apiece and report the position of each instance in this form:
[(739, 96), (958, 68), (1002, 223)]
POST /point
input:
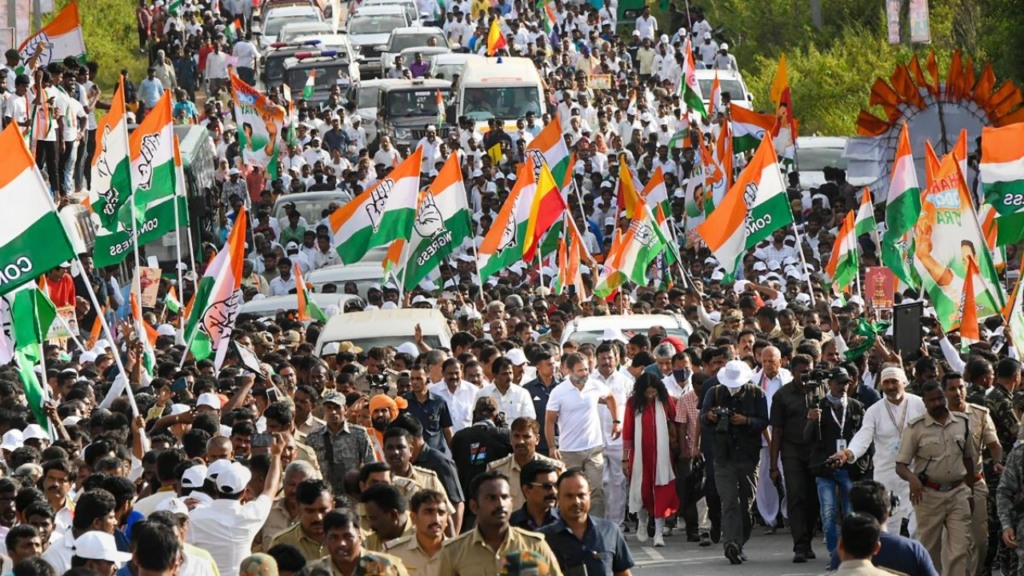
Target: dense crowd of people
[(517, 447)]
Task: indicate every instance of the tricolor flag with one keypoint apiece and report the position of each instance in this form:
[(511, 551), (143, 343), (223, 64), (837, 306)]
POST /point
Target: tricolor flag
[(865, 223), (111, 169), (495, 39), (393, 259), (32, 313), (32, 238), (219, 298), (550, 144), (380, 215), (1013, 315), (717, 105), (689, 88), (755, 206), (546, 209), (234, 31), (61, 38), (152, 159), (307, 308), (571, 253), (970, 333), (656, 193), (901, 211), (443, 222), (632, 101), (628, 196), (547, 14), (503, 244), (1002, 180), (171, 300), (642, 243), (989, 228), (440, 110), (748, 127), (146, 333), (307, 90), (720, 180), (842, 267)]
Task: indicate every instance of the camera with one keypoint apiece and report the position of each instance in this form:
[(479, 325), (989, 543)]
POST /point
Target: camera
[(723, 419), (378, 381), (815, 378)]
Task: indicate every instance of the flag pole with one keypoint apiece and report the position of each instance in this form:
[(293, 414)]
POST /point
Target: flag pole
[(404, 260), (71, 332), (803, 262), (106, 330), (177, 248)]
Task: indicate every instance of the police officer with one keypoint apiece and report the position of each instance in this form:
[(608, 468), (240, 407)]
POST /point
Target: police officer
[(999, 402), (939, 446), (983, 435), (1010, 500), (738, 411)]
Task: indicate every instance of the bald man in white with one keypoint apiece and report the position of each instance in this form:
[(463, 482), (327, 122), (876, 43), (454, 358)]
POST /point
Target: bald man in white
[(769, 378)]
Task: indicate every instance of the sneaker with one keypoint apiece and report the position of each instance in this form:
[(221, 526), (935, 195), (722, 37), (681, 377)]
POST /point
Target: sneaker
[(659, 541), (641, 535), (693, 538), (732, 552), (705, 540)]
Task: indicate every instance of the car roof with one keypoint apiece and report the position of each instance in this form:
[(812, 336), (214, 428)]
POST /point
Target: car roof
[(307, 25), (476, 70), (346, 272), (417, 30), (301, 196), (426, 50), (625, 322), (295, 10), (269, 306), (722, 74), (417, 84), (376, 82), (456, 58), (383, 322), (379, 9), (821, 142)]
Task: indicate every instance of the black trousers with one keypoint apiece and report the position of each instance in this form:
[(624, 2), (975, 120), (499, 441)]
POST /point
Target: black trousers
[(690, 489), (801, 502), (46, 161), (711, 496)]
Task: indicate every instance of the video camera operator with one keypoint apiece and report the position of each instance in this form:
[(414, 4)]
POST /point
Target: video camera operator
[(738, 411)]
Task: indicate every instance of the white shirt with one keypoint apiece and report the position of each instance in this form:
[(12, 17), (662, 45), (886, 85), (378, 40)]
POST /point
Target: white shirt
[(770, 386), (460, 403), (246, 54), (226, 529), (648, 28), (216, 66), (60, 552), (621, 385), (516, 402), (148, 505), (579, 423), (62, 521), (279, 287)]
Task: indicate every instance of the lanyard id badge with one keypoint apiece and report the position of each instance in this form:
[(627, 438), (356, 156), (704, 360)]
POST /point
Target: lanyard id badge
[(840, 445)]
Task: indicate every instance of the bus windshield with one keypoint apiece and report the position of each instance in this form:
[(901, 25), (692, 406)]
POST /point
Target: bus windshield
[(502, 103)]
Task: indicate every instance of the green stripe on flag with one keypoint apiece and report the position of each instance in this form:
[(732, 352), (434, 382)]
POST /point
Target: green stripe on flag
[(41, 247), (32, 314)]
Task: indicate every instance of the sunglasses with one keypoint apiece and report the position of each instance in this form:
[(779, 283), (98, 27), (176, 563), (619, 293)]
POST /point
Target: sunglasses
[(544, 485)]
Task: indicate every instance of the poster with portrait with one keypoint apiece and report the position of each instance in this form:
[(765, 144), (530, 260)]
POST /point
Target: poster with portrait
[(259, 123), (948, 236)]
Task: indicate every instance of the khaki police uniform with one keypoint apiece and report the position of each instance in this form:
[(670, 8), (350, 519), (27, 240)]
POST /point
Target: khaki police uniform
[(420, 479), (374, 543), (416, 560), (296, 536), (377, 563), (983, 433), (938, 451), (469, 555), (510, 468)]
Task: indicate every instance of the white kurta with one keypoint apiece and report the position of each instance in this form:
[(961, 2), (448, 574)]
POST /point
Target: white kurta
[(767, 496), (878, 427)]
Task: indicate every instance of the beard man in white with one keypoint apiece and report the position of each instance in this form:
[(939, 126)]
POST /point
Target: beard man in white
[(884, 423), (769, 378)]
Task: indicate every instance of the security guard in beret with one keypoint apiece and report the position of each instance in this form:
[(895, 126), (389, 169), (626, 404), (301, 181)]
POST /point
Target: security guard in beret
[(939, 447)]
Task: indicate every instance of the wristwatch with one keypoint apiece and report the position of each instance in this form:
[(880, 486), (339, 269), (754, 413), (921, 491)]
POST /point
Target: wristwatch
[(616, 422)]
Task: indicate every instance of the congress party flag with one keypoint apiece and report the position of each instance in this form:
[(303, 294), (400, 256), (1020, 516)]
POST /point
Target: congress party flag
[(642, 243), (380, 215), (689, 88), (503, 244), (947, 238), (59, 39), (901, 211), (716, 101), (307, 308), (32, 313), (549, 145), (111, 168), (748, 127), (1002, 179), (842, 267), (32, 238), (865, 222), (219, 298), (259, 122), (754, 207), (443, 222), (151, 148)]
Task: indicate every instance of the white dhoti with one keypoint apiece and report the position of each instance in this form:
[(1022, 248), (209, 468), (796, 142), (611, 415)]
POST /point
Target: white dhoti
[(769, 504)]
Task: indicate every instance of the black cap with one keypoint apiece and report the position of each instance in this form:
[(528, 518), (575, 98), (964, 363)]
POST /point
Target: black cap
[(840, 375)]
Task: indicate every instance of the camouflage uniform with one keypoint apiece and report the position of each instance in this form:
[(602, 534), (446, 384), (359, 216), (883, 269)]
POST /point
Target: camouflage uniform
[(1008, 494), (1000, 405), (976, 395)]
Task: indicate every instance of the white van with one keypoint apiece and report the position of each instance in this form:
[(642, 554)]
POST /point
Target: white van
[(365, 274), (506, 91), (590, 329), (731, 83), (270, 306), (386, 328)]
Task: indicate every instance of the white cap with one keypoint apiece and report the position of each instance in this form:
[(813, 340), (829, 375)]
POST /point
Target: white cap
[(516, 356), (209, 399), (234, 479), (87, 357), (217, 468), (179, 409), (389, 305), (330, 348), (803, 298), (13, 440), (173, 505), (194, 477), (96, 545), (707, 35), (165, 330), (613, 334), (723, 46), (35, 432), (71, 421), (409, 348), (421, 299)]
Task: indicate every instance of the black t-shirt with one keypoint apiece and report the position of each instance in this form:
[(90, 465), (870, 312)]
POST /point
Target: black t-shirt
[(444, 467), (789, 415), (477, 446)]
